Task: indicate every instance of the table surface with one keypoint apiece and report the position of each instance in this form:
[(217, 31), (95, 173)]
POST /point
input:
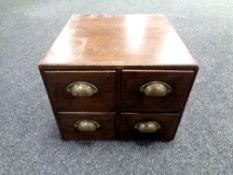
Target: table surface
[(118, 40)]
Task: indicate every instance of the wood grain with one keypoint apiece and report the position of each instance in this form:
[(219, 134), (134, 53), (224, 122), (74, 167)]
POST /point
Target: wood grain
[(118, 54), (104, 100), (117, 40), (168, 122), (134, 100), (106, 121)]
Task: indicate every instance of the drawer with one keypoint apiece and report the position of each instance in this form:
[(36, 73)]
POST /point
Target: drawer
[(97, 125), (148, 126), (155, 90), (81, 90)]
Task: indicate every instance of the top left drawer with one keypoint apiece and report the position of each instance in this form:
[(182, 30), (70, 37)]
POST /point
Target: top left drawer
[(81, 90)]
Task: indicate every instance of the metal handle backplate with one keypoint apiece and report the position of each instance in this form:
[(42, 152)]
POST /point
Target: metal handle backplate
[(147, 127), (82, 89), (156, 89), (86, 125)]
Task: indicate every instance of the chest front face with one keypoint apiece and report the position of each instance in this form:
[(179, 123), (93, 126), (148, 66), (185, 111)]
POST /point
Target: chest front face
[(118, 77)]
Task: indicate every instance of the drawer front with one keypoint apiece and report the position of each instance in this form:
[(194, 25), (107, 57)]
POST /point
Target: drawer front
[(148, 126), (155, 90), (87, 125), (82, 90)]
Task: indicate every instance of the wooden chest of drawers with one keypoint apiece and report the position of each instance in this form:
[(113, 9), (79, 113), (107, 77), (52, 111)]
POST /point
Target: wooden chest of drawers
[(118, 77)]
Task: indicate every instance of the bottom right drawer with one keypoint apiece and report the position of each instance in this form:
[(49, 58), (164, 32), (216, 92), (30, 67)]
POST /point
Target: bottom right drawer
[(153, 126)]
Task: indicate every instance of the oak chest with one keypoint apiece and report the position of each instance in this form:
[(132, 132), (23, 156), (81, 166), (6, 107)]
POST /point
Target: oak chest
[(118, 77)]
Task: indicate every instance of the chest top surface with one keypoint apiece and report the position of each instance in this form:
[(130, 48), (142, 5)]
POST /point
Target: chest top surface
[(118, 40)]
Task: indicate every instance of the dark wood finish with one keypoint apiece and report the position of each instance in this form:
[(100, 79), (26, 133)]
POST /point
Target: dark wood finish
[(134, 100), (106, 121), (118, 53), (117, 40), (118, 101), (104, 100), (51, 103), (168, 122)]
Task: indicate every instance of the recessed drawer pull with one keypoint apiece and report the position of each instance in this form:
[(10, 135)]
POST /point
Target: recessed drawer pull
[(82, 89), (156, 89), (147, 127), (86, 125)]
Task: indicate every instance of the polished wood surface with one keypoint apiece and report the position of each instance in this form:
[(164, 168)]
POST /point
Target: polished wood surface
[(117, 40), (104, 100), (168, 122), (105, 131), (133, 100), (118, 54)]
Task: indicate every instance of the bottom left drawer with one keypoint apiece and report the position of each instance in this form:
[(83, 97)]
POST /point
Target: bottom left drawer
[(85, 125)]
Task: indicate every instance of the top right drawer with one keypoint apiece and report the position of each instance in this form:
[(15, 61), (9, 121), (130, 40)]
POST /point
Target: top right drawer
[(155, 90)]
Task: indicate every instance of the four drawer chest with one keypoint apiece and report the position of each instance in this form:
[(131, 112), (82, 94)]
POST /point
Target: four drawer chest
[(118, 77)]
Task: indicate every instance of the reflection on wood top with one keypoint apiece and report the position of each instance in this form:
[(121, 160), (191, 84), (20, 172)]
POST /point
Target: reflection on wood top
[(118, 40)]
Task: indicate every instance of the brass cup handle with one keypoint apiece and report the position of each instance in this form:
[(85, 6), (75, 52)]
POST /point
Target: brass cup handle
[(147, 127), (156, 89), (86, 125), (82, 89)]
